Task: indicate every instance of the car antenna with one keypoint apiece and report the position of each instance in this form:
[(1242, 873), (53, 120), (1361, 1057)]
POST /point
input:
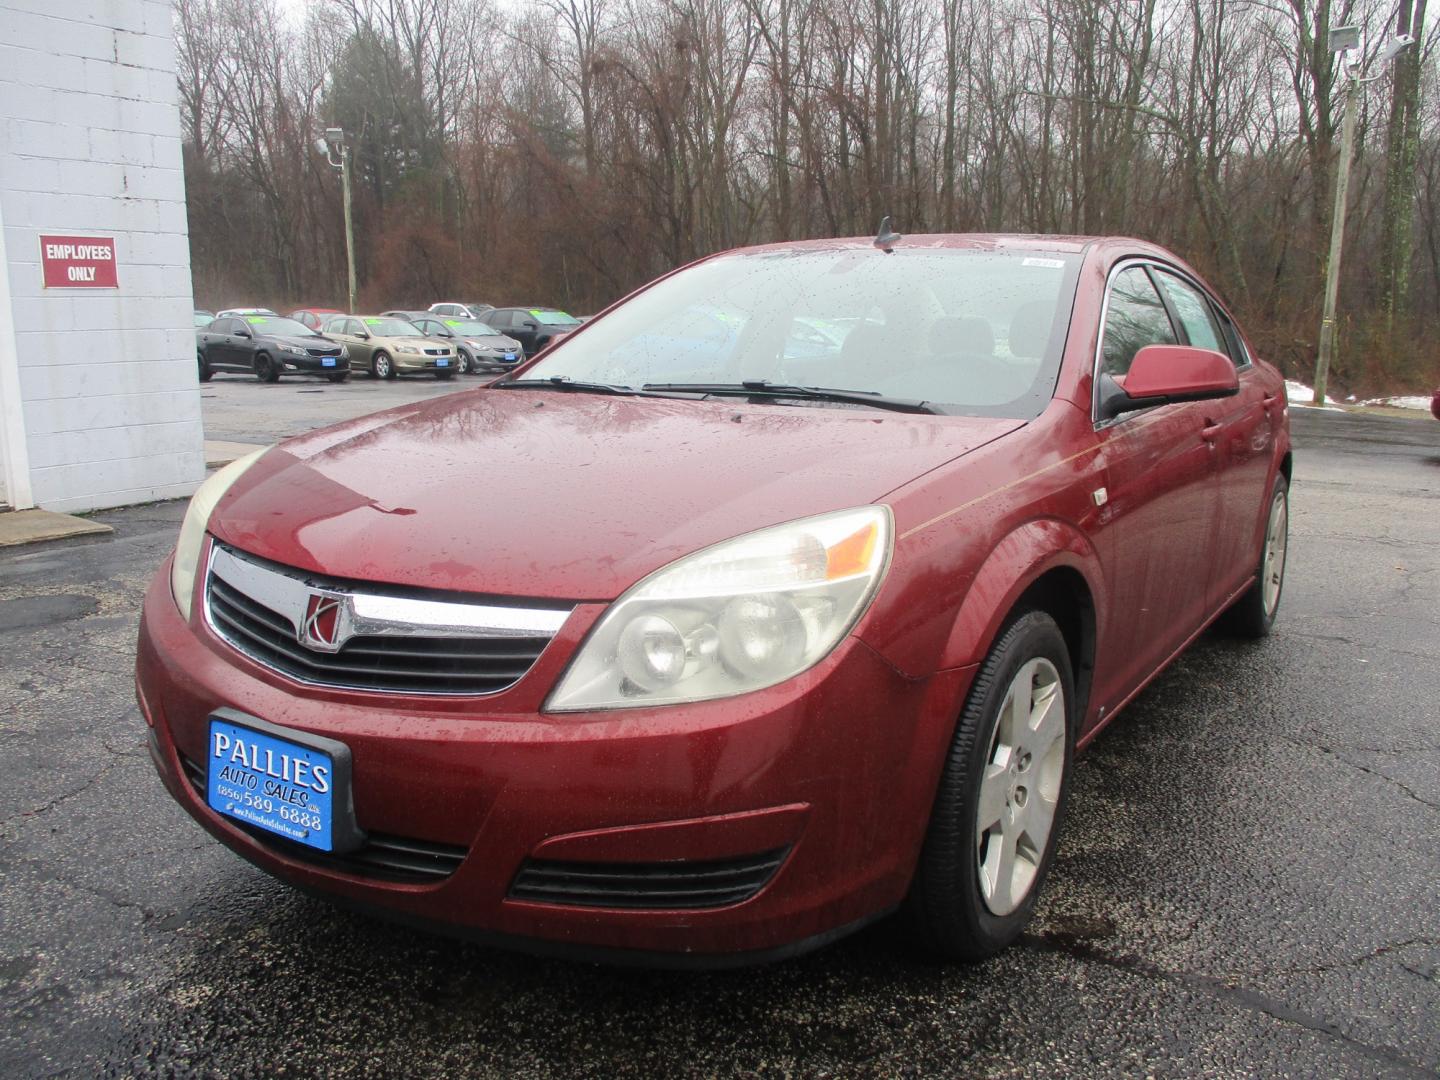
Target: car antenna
[(886, 238)]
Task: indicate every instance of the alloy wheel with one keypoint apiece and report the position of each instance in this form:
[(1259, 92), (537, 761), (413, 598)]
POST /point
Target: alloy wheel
[(1277, 540), (1020, 786)]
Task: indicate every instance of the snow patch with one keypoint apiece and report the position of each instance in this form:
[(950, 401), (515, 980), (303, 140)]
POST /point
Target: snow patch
[(1406, 401), (1300, 394)]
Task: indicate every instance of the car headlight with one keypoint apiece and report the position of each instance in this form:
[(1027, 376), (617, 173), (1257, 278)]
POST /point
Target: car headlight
[(293, 350), (197, 520), (739, 616), (407, 349)]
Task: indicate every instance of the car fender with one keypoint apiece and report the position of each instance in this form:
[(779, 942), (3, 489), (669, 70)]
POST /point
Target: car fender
[(1020, 559)]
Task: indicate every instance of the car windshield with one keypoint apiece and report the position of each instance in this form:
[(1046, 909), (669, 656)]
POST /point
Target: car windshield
[(972, 332), (471, 328), (392, 328), (553, 318), (279, 326), (203, 318)]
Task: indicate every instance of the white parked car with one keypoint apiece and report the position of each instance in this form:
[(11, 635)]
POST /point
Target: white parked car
[(452, 310)]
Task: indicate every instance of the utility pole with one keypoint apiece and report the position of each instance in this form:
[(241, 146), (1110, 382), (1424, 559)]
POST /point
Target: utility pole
[(335, 138), (1337, 237), (1344, 40)]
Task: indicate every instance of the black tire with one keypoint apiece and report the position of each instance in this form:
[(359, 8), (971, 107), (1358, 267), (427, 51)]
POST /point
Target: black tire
[(266, 370), (1252, 616), (446, 375), (338, 376), (381, 366), (205, 370), (946, 909)]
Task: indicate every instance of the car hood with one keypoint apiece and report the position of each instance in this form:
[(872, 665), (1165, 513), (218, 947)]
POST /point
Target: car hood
[(301, 342), (566, 495), (491, 341)]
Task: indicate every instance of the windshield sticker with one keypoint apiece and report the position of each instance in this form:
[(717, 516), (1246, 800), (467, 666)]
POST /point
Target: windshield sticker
[(452, 322), (372, 322), (1049, 264), (255, 320)]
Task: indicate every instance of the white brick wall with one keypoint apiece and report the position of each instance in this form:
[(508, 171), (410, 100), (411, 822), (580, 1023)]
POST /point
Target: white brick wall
[(90, 145)]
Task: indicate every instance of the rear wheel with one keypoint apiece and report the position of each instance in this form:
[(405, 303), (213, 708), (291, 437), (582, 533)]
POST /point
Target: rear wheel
[(1254, 613), (205, 370), (266, 370), (991, 836), (382, 367)]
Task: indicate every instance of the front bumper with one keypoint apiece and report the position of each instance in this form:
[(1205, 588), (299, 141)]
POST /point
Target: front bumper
[(836, 769), (411, 362), (311, 365)]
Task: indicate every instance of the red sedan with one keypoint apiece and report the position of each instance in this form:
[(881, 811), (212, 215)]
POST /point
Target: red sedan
[(799, 578)]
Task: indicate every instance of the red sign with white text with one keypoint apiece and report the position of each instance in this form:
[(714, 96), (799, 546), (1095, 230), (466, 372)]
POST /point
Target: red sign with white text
[(79, 262)]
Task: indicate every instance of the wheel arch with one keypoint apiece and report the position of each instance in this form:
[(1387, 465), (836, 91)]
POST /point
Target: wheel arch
[(1047, 565)]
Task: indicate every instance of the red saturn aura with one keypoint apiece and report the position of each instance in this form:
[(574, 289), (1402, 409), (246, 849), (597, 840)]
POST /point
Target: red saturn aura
[(798, 580)]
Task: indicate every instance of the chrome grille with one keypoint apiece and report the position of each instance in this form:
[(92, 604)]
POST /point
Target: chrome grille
[(407, 643), (437, 352)]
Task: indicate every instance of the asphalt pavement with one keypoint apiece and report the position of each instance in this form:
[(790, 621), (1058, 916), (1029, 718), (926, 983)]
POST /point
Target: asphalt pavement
[(1246, 882)]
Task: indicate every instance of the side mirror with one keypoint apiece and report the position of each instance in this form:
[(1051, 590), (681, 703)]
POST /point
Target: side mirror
[(528, 325), (242, 332), (1164, 374)]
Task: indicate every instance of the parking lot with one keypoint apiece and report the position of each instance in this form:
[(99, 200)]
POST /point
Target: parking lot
[(1245, 883)]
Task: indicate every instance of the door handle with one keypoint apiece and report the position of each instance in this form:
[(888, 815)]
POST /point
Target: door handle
[(1211, 432)]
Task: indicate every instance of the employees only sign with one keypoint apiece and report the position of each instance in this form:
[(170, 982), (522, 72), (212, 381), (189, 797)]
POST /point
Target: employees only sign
[(78, 262)]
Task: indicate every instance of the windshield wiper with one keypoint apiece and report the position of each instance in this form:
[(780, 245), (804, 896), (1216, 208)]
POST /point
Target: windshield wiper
[(564, 382), (765, 388)]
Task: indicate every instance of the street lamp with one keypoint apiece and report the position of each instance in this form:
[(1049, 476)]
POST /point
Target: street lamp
[(1345, 40), (335, 140)]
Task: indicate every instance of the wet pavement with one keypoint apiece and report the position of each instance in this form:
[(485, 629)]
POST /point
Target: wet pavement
[(1245, 885)]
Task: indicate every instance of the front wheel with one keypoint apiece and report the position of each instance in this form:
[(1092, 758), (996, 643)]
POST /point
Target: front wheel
[(382, 367), (465, 362), (1254, 613), (266, 370), (991, 836)]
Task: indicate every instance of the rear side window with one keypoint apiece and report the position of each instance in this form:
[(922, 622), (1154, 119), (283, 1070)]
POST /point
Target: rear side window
[(1194, 312), (1136, 317), (1238, 352)]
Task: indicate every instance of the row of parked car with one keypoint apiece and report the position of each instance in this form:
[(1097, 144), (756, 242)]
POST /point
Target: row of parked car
[(445, 339)]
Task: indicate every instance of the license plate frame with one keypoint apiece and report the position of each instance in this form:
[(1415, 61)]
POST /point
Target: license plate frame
[(323, 821), (327, 361), (443, 361)]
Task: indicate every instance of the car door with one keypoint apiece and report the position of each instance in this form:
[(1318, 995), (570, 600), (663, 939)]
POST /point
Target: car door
[(1158, 500), (1242, 446), (362, 348), (230, 347)]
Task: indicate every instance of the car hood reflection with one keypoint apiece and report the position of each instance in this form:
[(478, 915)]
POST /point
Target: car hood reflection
[(566, 496)]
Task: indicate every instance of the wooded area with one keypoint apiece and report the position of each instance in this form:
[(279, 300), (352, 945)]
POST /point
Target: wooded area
[(566, 151)]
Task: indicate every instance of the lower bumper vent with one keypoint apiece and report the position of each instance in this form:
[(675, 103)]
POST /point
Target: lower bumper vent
[(383, 858), (657, 886)]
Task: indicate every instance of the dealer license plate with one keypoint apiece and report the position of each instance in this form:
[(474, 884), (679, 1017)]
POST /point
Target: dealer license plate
[(327, 361), (442, 362), (271, 783), (509, 356)]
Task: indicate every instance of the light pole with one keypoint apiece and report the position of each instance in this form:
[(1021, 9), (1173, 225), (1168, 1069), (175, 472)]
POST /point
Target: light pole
[(335, 140), (1344, 40)]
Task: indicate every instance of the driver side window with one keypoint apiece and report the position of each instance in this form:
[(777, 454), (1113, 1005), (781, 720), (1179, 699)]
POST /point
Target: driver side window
[(1136, 318)]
